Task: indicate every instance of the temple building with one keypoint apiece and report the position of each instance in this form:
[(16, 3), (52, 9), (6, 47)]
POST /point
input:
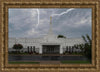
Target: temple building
[(49, 44)]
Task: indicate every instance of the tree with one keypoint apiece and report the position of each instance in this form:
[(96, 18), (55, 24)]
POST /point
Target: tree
[(88, 46), (61, 36), (18, 47), (85, 48)]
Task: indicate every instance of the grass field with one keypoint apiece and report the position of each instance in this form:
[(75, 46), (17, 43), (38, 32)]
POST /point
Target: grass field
[(23, 62), (76, 62)]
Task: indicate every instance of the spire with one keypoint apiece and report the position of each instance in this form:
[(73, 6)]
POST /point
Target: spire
[(50, 28), (50, 19)]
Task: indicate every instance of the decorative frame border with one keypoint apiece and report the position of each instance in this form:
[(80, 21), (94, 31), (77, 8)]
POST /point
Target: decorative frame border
[(4, 5)]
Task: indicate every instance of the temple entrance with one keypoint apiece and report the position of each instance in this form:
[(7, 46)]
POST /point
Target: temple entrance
[(51, 49)]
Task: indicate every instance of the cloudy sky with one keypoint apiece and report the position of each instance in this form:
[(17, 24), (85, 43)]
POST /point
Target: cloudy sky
[(33, 22)]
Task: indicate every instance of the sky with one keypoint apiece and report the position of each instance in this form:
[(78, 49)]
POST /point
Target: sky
[(34, 22)]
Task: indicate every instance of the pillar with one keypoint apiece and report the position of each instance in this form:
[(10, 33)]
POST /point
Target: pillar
[(40, 50), (61, 50)]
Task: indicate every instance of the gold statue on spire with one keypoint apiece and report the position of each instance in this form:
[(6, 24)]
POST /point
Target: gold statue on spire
[(50, 19), (50, 27)]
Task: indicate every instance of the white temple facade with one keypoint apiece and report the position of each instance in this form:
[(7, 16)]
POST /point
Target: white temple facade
[(50, 43)]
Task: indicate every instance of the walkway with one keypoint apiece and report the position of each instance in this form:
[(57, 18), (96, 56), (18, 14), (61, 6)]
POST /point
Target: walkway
[(49, 62)]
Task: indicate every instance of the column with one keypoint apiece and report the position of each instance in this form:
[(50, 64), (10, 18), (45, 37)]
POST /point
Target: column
[(61, 50), (40, 50)]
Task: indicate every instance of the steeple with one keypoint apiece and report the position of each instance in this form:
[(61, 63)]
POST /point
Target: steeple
[(50, 36), (50, 27), (50, 19)]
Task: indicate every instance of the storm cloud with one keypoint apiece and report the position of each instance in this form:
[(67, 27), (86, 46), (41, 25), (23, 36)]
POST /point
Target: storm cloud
[(75, 23)]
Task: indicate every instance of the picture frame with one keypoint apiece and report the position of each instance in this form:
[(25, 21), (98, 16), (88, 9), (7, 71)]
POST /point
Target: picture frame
[(5, 5)]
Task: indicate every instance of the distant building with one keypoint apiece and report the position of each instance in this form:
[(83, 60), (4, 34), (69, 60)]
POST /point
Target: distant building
[(50, 43)]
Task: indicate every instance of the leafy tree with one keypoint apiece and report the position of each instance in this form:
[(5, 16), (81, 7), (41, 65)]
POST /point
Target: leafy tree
[(18, 47), (85, 48), (84, 39), (88, 46), (61, 36)]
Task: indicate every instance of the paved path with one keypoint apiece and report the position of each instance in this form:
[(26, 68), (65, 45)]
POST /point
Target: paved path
[(49, 62)]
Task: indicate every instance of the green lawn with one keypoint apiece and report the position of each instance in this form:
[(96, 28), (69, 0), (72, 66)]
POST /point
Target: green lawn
[(23, 62), (76, 62)]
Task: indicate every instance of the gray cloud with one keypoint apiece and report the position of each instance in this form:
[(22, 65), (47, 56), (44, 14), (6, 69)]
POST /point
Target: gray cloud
[(75, 23)]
